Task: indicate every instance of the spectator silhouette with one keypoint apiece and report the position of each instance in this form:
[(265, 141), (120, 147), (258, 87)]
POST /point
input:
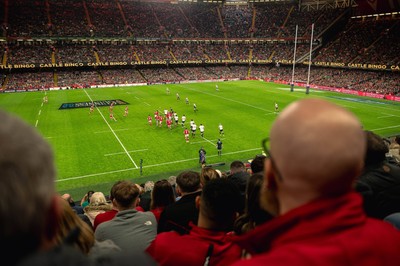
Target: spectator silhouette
[(320, 219), (27, 175), (162, 196), (130, 229), (379, 183), (253, 214), (209, 243), (178, 215), (239, 176)]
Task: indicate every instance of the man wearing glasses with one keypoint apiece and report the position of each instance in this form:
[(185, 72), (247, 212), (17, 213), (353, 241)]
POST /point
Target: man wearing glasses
[(316, 152)]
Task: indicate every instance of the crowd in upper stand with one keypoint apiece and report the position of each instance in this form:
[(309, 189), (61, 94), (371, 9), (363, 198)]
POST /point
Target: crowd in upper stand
[(157, 20)]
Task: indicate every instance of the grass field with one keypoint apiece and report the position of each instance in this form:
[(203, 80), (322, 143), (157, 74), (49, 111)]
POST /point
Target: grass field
[(92, 151)]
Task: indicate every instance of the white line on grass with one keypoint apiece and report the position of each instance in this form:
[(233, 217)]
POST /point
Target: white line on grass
[(383, 128), (385, 116), (116, 153), (147, 104), (37, 121), (40, 111), (112, 130), (148, 166), (107, 131), (209, 141), (196, 142), (41, 105), (388, 115)]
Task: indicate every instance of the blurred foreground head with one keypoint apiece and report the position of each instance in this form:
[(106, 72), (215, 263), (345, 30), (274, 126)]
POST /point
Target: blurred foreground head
[(317, 150), (27, 191)]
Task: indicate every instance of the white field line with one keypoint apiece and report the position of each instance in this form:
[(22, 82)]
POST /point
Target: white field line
[(115, 135), (148, 166), (106, 131), (209, 141), (37, 121), (147, 104), (116, 153), (212, 141), (388, 115), (383, 128), (40, 111)]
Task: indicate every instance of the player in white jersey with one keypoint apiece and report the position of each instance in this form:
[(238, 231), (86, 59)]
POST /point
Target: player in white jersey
[(221, 129), (183, 120), (201, 128), (276, 108), (194, 128)]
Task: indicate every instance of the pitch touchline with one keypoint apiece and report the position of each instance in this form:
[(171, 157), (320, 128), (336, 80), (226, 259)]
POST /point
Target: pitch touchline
[(115, 135), (147, 166)]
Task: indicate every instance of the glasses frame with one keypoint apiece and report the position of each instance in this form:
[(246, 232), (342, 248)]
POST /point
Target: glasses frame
[(269, 157)]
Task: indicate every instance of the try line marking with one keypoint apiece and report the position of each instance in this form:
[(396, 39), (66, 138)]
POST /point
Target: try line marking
[(148, 166), (112, 130)]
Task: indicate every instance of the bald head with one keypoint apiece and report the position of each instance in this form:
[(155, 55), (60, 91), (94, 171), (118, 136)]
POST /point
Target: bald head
[(318, 148)]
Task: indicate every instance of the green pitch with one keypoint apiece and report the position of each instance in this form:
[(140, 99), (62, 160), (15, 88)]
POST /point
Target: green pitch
[(92, 151)]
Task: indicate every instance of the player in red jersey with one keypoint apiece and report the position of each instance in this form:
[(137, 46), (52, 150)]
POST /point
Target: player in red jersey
[(160, 119), (169, 123), (156, 117), (186, 133), (112, 117), (150, 120), (126, 111)]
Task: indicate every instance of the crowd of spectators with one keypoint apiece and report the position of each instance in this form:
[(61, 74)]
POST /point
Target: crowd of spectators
[(159, 20), (73, 16), (354, 40), (360, 80), (122, 76)]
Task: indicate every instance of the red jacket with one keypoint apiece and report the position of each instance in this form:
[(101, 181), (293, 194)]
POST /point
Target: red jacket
[(324, 232), (104, 217), (171, 248)]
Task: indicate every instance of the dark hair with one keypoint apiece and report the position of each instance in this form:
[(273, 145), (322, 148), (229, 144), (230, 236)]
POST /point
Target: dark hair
[(253, 215), (125, 193), (188, 181), (376, 148), (162, 194), (89, 195), (237, 165), (257, 164), (220, 200)]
